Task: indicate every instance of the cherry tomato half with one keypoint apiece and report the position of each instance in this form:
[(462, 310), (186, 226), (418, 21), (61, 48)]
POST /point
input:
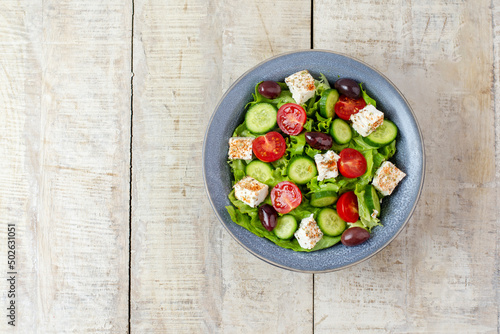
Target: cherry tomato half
[(285, 197), (347, 207), (345, 106), (351, 163), (269, 147), (291, 118)]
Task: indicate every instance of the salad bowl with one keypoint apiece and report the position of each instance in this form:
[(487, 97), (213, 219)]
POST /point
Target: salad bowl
[(410, 157)]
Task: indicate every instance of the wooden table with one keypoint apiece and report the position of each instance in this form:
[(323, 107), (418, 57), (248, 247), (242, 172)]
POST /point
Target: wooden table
[(104, 105)]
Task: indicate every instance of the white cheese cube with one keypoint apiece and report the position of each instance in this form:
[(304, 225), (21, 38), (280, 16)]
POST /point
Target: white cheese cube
[(301, 85), (240, 148), (367, 120), (327, 165), (387, 178), (308, 233), (250, 191)]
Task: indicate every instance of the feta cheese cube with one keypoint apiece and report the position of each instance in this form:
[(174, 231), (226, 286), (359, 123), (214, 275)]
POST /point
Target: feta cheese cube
[(367, 120), (387, 178), (250, 191), (308, 233), (327, 165), (240, 148), (301, 85)]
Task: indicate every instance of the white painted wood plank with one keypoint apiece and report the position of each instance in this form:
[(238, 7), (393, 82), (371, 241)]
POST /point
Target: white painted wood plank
[(259, 298), (441, 274), (495, 8), (176, 270), (188, 274), (65, 126)]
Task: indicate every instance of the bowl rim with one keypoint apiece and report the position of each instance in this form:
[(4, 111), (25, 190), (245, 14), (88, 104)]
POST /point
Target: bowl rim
[(229, 89)]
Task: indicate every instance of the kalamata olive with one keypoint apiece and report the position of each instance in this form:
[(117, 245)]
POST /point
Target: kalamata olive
[(268, 216), (269, 89), (319, 140), (348, 87), (354, 236)]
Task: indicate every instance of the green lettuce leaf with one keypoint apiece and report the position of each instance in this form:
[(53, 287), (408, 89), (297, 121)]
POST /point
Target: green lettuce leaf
[(337, 147), (328, 184), (322, 84), (364, 214), (296, 144), (308, 125), (279, 175), (304, 210), (357, 224), (238, 169), (283, 85), (326, 242), (369, 154), (239, 129), (242, 131), (388, 151), (383, 154), (312, 105), (323, 124), (359, 144), (367, 98), (311, 152), (284, 98), (242, 207)]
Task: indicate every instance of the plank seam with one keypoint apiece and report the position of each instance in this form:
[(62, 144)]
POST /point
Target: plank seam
[(496, 127), (312, 24), (313, 296), (130, 170)]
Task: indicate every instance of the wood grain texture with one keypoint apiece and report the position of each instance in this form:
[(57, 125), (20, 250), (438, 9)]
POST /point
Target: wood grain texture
[(176, 280), (188, 275), (259, 298), (65, 126), (441, 274)]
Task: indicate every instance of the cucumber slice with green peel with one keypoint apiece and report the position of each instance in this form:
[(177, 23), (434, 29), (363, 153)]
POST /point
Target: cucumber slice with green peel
[(302, 169), (285, 227), (259, 170), (323, 198), (383, 135), (261, 118), (371, 200), (330, 223), (341, 131), (327, 103)]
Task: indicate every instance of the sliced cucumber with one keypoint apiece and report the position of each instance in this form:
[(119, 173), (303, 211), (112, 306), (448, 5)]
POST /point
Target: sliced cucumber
[(285, 227), (341, 131), (302, 169), (327, 103), (323, 198), (261, 118), (259, 170), (330, 223), (383, 135), (371, 200)]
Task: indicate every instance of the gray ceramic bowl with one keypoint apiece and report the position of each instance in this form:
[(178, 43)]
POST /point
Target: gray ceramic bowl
[(396, 209)]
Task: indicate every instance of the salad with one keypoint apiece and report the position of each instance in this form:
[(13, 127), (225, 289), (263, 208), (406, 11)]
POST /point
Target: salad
[(311, 163)]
